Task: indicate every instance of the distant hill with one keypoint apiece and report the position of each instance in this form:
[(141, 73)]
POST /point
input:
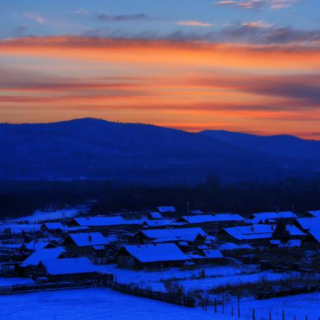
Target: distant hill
[(283, 145), (97, 149)]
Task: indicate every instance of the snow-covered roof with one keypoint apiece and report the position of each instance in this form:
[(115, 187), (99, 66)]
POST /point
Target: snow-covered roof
[(308, 223), (264, 216), (155, 215), (99, 221), (41, 255), (156, 223), (69, 266), (315, 213), (182, 234), (294, 231), (211, 218), (166, 209), (38, 245), (258, 231), (53, 225), (88, 239), (212, 254), (156, 253)]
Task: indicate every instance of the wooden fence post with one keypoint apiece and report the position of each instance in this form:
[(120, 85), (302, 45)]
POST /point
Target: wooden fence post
[(253, 314), (215, 305), (232, 311), (283, 315), (238, 305), (270, 315)]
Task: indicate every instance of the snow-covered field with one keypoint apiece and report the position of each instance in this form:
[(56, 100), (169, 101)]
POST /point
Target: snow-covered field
[(96, 304), (92, 304), (215, 276)]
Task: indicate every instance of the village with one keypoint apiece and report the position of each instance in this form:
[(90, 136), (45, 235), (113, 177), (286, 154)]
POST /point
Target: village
[(197, 260)]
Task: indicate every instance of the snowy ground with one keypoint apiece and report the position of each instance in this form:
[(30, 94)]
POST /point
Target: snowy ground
[(155, 279), (210, 283), (92, 304), (106, 304), (14, 281), (215, 276)]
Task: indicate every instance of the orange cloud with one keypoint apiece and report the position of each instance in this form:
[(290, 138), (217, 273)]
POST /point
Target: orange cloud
[(202, 84)]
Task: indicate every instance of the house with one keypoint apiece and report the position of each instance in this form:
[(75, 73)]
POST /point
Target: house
[(100, 224), (258, 234), (155, 224), (193, 236), (52, 227), (88, 244), (207, 256), (105, 224), (155, 216), (212, 222), (69, 269), (28, 265), (42, 254), (166, 209), (312, 214), (151, 255), (35, 245), (270, 217)]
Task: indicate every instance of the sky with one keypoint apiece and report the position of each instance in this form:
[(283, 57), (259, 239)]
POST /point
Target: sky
[(239, 65)]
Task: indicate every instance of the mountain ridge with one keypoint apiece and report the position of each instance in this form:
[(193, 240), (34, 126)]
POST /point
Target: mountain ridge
[(90, 148)]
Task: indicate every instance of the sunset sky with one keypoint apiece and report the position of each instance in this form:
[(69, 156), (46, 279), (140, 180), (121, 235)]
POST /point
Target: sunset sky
[(241, 65)]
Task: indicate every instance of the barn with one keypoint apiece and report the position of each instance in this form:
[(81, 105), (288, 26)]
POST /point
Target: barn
[(151, 255)]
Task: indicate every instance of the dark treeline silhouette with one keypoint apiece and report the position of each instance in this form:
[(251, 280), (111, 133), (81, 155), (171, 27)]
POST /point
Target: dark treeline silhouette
[(213, 196), (22, 198)]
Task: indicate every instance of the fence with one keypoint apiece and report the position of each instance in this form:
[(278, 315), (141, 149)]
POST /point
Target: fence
[(284, 292), (28, 288), (135, 290), (235, 307)]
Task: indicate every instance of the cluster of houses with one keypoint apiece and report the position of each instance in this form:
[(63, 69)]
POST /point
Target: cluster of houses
[(73, 249)]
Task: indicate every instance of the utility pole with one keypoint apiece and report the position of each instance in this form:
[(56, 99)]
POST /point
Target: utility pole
[(188, 213)]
